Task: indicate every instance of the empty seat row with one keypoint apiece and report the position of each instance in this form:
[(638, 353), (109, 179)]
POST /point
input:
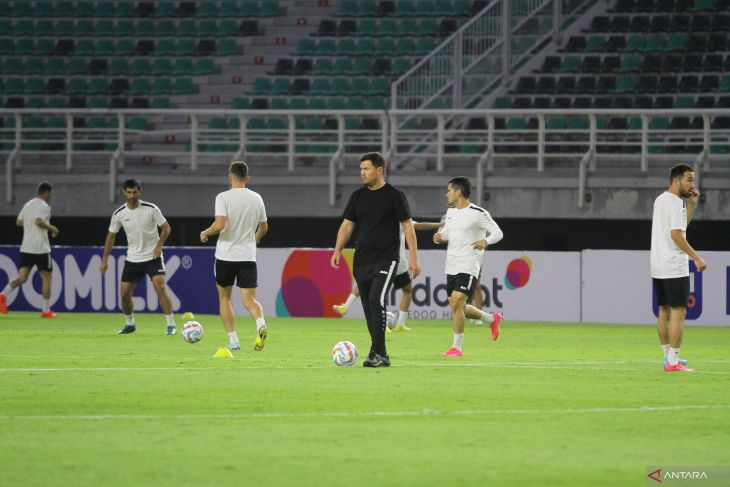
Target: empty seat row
[(661, 102), (82, 102), (649, 43), (114, 66), (623, 84), (409, 8), (163, 9), (365, 47), (321, 86), (649, 63), (307, 103), (387, 28), (627, 6), (97, 86), (660, 23), (123, 47), (128, 28)]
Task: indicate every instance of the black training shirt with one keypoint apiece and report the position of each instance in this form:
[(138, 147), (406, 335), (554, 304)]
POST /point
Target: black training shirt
[(377, 215)]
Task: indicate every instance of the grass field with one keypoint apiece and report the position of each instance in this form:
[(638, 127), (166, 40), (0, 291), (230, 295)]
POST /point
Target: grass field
[(548, 404)]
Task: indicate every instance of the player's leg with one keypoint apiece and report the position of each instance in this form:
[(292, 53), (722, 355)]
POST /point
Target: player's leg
[(380, 284), (343, 308), (46, 282), (225, 308), (677, 299), (477, 300), (23, 273), (492, 319), (248, 296), (405, 305), (126, 289), (159, 282), (457, 302), (364, 281), (662, 327)]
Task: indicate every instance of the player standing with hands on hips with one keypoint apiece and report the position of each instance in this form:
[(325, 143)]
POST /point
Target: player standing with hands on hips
[(240, 219), (374, 213), (146, 230), (670, 254), (469, 230)]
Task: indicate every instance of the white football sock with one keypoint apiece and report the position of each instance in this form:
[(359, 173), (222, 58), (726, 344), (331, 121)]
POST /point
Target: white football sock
[(46, 306), (350, 299), (170, 319), (673, 357), (233, 338), (260, 323), (129, 319), (402, 316), (487, 318), (665, 348), (458, 338), (7, 289)]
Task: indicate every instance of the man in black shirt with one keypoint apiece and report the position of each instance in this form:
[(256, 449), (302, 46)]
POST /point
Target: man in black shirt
[(374, 213)]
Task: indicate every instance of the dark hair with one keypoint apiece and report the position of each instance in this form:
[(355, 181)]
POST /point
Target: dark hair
[(375, 157), (678, 171), (45, 187), (239, 169), (462, 184), (131, 184)]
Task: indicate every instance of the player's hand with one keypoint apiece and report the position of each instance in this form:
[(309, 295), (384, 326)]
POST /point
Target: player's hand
[(335, 260), (437, 238), (54, 231), (203, 237), (695, 196), (414, 268), (700, 263), (480, 244), (103, 267)]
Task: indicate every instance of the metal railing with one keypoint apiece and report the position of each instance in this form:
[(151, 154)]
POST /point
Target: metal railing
[(481, 55), (438, 137)]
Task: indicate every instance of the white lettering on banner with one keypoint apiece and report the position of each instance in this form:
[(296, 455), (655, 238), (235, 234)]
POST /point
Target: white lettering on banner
[(8, 267), (34, 297), (82, 284)]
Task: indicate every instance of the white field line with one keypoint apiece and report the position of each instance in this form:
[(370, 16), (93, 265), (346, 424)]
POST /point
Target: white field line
[(366, 414)]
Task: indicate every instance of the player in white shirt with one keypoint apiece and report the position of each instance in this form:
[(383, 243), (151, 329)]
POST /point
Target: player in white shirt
[(35, 250), (469, 230), (401, 281), (670, 253), (240, 219), (140, 221)]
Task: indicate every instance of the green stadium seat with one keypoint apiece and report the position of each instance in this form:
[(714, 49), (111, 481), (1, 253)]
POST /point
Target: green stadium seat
[(76, 66), (341, 67), (655, 43), (99, 123), (64, 9), (12, 66), (425, 46), (626, 84), (367, 8), (659, 123), (346, 47), (277, 123), (165, 28), (502, 103), (87, 47), (165, 47), (427, 27), (97, 86), (162, 86), (22, 9), (360, 86), (85, 28), (595, 44), (406, 47), (355, 103), (226, 47), (250, 9), (387, 28), (56, 66), (187, 28), (365, 47), (676, 42), (227, 28), (35, 65), (206, 8), (124, 47), (630, 64), (23, 28), (348, 8), (124, 28), (98, 102), (320, 87), (84, 9), (104, 28), (185, 47), (326, 47), (516, 124), (261, 86), (160, 102), (207, 28), (400, 66), (76, 86), (140, 86), (405, 8), (6, 27), (229, 9), (118, 66), (322, 67), (140, 67), (361, 66), (46, 28), (123, 9), (162, 67), (270, 8), (165, 10), (425, 8), (25, 47), (336, 104), (7, 46), (385, 47), (137, 123), (444, 8), (34, 86), (57, 102), (42, 8), (703, 5), (44, 47), (204, 67), (577, 123), (306, 47), (183, 86), (366, 28), (104, 9), (379, 86), (461, 8), (342, 86), (184, 67), (684, 102), (280, 86), (146, 28), (725, 84)]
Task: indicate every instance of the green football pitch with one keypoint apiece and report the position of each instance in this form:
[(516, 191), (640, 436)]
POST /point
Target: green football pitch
[(548, 404)]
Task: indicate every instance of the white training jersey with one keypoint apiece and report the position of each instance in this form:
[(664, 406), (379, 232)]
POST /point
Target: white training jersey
[(244, 210), (667, 259), (462, 228), (140, 226), (35, 238), (402, 259)]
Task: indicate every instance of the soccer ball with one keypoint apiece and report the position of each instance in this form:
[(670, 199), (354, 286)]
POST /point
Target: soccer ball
[(192, 332), (344, 353), (390, 319)]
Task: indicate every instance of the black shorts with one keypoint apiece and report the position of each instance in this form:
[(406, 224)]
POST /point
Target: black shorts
[(42, 261), (464, 283), (672, 292), (402, 280), (134, 271), (242, 273)]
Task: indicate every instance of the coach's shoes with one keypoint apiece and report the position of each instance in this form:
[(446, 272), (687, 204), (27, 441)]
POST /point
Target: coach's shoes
[(375, 360), (127, 330), (234, 346), (340, 309), (680, 361), (260, 342), (452, 352), (171, 330), (3, 304), (495, 326), (48, 314), (679, 367)]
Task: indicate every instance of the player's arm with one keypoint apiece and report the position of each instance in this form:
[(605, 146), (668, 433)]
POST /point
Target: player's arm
[(692, 204), (343, 236), (40, 222), (217, 227), (493, 235), (165, 230), (261, 230), (424, 226), (108, 244), (683, 244), (414, 266)]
